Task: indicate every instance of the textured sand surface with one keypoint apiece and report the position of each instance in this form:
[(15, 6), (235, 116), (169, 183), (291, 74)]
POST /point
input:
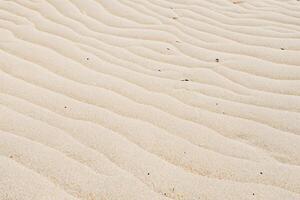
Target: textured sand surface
[(149, 99)]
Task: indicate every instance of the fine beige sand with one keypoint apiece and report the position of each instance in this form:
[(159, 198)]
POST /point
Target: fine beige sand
[(149, 99)]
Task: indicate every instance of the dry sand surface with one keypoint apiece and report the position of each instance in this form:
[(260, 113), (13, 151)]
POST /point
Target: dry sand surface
[(149, 99)]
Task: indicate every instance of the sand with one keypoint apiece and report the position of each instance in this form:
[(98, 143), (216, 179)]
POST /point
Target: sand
[(149, 99)]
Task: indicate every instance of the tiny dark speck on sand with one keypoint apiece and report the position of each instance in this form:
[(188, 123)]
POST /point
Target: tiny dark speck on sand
[(165, 194), (261, 172), (159, 70), (185, 80), (87, 58), (217, 60), (168, 48), (11, 156), (148, 174), (253, 194), (65, 106), (282, 48), (174, 17)]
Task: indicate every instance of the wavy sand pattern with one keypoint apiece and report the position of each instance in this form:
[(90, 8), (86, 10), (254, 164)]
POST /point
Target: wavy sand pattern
[(149, 99)]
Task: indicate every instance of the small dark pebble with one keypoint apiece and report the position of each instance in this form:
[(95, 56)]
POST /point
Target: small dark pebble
[(87, 58), (174, 17), (282, 48), (168, 48), (217, 60), (253, 194), (148, 174), (65, 107), (165, 194), (11, 156), (261, 172), (185, 80), (159, 70)]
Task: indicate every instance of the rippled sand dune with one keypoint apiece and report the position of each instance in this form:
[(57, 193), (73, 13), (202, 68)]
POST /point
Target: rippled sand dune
[(149, 99)]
